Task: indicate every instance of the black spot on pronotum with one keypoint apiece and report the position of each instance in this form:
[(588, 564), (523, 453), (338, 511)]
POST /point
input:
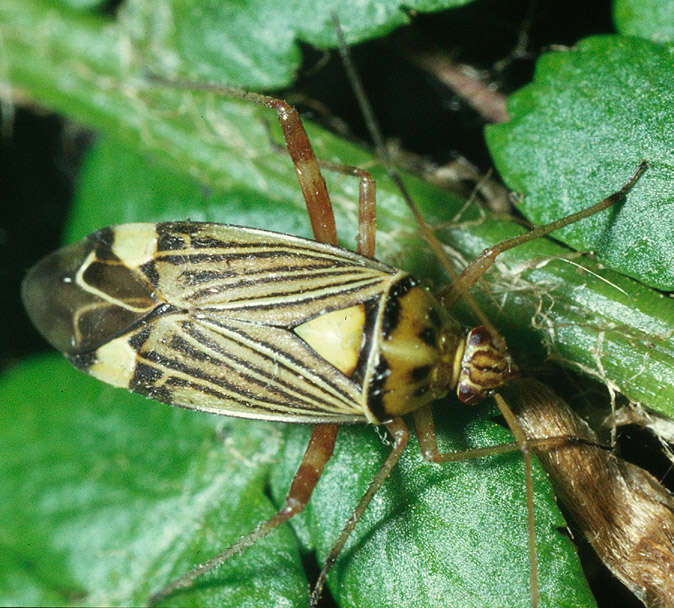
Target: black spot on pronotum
[(434, 318), (391, 316), (375, 396), (420, 373), (428, 336), (371, 311), (421, 391)]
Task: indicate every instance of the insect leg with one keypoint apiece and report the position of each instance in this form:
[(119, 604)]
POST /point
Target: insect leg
[(400, 435), (425, 430), (383, 154), (318, 452), (484, 261), (367, 204), (299, 147), (367, 200), (307, 169)]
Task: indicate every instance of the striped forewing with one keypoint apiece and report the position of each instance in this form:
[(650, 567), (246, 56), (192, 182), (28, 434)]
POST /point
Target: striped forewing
[(227, 299), (240, 369), (258, 276)]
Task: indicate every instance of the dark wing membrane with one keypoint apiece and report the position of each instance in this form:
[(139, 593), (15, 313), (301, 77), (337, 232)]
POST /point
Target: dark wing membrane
[(83, 295), (237, 369), (258, 276)]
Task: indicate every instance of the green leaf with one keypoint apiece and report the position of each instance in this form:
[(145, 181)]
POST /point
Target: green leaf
[(184, 154), (579, 131), (650, 19), (255, 44), (80, 5), (434, 535), (104, 498), (451, 526)]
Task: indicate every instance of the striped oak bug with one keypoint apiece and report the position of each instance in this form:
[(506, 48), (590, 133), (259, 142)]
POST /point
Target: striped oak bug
[(185, 313), (195, 315)]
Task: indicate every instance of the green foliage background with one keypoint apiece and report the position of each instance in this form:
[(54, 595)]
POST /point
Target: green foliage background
[(107, 496)]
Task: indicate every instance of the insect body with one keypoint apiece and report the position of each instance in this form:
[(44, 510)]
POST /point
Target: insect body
[(249, 323), (257, 324)]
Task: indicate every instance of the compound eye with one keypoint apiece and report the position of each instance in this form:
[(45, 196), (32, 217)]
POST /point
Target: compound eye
[(467, 392)]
